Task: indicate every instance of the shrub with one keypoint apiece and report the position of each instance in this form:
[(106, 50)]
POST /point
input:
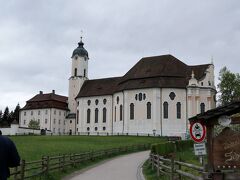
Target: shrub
[(163, 149), (184, 145)]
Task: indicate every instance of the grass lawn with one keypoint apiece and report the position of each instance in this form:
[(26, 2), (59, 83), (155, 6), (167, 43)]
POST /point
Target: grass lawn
[(34, 147)]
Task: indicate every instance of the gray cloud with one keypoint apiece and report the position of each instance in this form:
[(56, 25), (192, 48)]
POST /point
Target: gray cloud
[(38, 37)]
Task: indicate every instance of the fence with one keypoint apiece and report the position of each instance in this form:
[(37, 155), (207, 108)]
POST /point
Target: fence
[(175, 169), (47, 164)]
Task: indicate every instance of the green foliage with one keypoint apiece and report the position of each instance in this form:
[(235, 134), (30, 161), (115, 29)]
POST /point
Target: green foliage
[(34, 124), (184, 145), (229, 86), (163, 149)]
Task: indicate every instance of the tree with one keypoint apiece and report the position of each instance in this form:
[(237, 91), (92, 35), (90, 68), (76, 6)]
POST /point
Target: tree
[(229, 86), (34, 124), (16, 113), (5, 117)]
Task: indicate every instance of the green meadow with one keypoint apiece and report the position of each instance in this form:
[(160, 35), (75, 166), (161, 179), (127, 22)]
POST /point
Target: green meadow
[(34, 147)]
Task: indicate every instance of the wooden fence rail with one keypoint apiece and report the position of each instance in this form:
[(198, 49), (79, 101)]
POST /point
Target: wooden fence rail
[(174, 169), (47, 164)]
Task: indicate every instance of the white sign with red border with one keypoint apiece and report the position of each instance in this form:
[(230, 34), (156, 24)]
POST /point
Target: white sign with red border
[(198, 132)]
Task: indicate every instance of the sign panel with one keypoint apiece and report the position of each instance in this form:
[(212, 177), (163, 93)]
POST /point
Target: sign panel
[(200, 149), (226, 150), (198, 132)]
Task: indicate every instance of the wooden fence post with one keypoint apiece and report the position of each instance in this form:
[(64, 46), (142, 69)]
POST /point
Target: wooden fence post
[(22, 170), (152, 161), (16, 171), (47, 165), (172, 168), (63, 162), (158, 166)]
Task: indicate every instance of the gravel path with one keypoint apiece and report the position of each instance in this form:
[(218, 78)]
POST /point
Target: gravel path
[(127, 167)]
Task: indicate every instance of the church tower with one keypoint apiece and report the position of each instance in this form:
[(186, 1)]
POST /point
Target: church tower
[(79, 74)]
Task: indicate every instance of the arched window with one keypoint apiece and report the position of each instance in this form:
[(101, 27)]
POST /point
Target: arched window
[(149, 110), (165, 110), (96, 115), (104, 115), (131, 111), (84, 73), (140, 96), (178, 110), (75, 72), (88, 115), (121, 112), (202, 107)]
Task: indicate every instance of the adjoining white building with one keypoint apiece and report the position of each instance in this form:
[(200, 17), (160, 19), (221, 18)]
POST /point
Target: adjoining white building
[(48, 109), (157, 95)]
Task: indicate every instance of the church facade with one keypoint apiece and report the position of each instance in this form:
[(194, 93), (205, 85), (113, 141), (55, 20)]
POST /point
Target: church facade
[(156, 96)]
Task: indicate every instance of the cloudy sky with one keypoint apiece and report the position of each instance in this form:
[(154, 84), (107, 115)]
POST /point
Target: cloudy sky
[(37, 39)]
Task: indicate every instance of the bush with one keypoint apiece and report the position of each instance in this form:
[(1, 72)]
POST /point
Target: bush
[(167, 148), (184, 145), (163, 149)]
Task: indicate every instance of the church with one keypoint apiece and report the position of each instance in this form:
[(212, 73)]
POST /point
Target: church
[(156, 96)]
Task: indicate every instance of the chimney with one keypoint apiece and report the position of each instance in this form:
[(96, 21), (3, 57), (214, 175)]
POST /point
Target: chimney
[(53, 91), (40, 92)]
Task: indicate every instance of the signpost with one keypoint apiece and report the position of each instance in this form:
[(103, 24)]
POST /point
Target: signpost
[(200, 149), (197, 132)]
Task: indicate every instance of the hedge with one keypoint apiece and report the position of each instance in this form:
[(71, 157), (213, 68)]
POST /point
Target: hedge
[(166, 148)]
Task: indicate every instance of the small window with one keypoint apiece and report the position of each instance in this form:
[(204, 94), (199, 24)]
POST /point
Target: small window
[(84, 73), (39, 112), (201, 83), (53, 130), (209, 83), (104, 128), (64, 122), (46, 121), (55, 112), (25, 113), (70, 121), (149, 110), (144, 96), (96, 115), (88, 128), (46, 112), (59, 121), (136, 97), (54, 121), (104, 115), (121, 112), (59, 113), (31, 112), (89, 102), (117, 99), (75, 72), (165, 110), (88, 115), (131, 111), (178, 110), (24, 122), (104, 101), (96, 101), (38, 121), (202, 107), (77, 129), (172, 95), (78, 103), (140, 96), (95, 128)]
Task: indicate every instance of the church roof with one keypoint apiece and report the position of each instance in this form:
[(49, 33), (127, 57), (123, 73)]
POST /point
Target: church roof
[(99, 87), (164, 71), (49, 100)]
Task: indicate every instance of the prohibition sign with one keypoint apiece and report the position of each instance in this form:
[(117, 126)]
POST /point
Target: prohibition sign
[(198, 132)]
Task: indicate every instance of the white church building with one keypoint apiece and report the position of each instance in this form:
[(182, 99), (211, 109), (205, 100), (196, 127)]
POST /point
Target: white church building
[(157, 95)]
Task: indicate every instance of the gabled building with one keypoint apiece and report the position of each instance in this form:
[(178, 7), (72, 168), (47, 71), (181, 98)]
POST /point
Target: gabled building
[(48, 109)]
